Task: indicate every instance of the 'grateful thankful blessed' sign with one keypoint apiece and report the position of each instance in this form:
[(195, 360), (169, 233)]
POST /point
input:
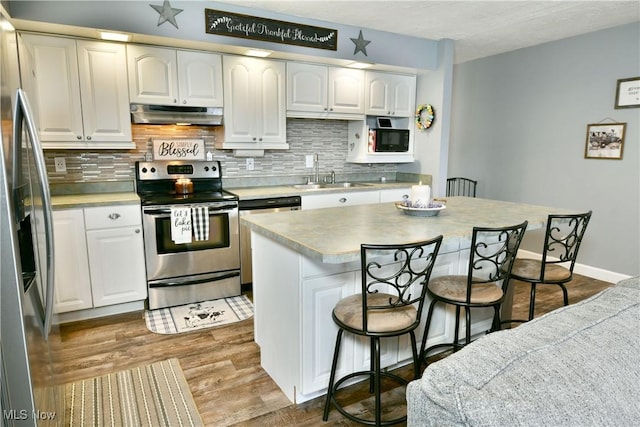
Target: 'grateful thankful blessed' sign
[(256, 28)]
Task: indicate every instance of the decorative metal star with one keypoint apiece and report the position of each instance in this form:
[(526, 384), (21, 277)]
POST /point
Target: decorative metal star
[(361, 44), (167, 13)]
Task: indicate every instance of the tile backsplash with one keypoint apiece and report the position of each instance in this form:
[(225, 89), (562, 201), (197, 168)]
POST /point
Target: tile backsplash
[(328, 138)]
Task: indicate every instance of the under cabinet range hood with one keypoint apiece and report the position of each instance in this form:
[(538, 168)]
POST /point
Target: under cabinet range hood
[(171, 115)]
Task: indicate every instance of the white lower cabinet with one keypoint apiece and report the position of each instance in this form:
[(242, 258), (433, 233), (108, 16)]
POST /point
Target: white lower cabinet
[(72, 281), (99, 257), (332, 200), (394, 194)]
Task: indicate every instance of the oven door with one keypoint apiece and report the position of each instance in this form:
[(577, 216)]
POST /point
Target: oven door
[(183, 262)]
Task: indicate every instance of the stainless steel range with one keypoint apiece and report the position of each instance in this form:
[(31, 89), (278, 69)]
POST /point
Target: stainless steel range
[(191, 232)]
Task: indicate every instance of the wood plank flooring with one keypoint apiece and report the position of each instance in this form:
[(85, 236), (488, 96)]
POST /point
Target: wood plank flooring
[(222, 365)]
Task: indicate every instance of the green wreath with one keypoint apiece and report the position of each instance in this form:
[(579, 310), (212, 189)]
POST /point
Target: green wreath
[(429, 118)]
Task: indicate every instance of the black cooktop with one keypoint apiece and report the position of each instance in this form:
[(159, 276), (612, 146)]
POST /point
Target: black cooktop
[(173, 198)]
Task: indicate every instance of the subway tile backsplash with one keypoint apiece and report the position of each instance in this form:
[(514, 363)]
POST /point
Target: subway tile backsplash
[(328, 138)]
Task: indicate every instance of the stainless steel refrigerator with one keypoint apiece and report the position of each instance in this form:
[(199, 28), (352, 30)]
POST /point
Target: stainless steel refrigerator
[(29, 395)]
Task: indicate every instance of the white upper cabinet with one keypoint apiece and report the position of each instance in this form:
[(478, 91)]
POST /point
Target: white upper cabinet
[(79, 89), (254, 108), (165, 76), (390, 94), (319, 91)]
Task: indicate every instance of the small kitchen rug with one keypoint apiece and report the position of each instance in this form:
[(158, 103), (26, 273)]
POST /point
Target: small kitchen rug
[(149, 395), (199, 315)]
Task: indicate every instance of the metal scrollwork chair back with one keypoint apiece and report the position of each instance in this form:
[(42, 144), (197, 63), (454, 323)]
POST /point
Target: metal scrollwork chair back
[(393, 289), (492, 253), (459, 186), (563, 236)]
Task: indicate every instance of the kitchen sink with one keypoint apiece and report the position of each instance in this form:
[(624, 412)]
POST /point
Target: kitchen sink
[(315, 186)]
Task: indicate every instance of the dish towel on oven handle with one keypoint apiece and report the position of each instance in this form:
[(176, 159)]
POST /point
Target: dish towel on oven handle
[(181, 228), (200, 219)]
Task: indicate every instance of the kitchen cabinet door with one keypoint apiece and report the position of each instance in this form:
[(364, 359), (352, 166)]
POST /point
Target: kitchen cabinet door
[(318, 91), (346, 90), (307, 87), (331, 200), (390, 94), (72, 280), (255, 108), (104, 91), (116, 259), (200, 79), (53, 71), (153, 75), (80, 91), (116, 254), (319, 297), (394, 194)]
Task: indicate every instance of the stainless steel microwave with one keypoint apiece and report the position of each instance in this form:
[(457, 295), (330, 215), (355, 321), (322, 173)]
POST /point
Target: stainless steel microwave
[(389, 140)]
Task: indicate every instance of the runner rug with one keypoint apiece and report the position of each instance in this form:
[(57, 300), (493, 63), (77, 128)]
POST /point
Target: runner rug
[(151, 395), (205, 314)]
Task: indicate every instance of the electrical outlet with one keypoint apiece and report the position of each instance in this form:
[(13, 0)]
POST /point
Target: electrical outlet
[(60, 164), (308, 160), (249, 164)]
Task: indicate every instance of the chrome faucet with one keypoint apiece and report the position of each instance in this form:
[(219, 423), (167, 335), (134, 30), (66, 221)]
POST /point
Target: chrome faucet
[(316, 167)]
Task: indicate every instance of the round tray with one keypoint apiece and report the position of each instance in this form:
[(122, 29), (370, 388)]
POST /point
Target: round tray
[(420, 211)]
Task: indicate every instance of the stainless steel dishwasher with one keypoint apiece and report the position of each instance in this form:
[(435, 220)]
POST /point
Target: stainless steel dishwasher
[(257, 206)]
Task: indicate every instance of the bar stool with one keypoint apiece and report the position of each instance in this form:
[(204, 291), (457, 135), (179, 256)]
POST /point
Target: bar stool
[(491, 256), (459, 186), (562, 240), (394, 282)]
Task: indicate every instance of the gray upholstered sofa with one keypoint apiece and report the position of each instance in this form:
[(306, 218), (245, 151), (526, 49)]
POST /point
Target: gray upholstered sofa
[(576, 366)]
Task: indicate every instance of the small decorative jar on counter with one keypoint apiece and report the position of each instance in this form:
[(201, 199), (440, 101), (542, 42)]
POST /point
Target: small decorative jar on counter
[(184, 186)]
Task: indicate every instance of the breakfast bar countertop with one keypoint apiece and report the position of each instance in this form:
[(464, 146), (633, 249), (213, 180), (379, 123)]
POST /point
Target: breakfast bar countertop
[(334, 235)]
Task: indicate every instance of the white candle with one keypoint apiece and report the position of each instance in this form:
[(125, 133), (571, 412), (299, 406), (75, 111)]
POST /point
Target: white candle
[(420, 196)]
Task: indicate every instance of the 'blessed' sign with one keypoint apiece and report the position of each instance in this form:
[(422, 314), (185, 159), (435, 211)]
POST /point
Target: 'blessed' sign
[(252, 27), (178, 149)]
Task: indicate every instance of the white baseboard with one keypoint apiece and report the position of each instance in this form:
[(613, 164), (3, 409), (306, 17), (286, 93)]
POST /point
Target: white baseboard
[(585, 270)]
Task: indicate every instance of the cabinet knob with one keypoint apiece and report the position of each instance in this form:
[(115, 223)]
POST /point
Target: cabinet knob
[(88, 138), (114, 216), (78, 137), (259, 139), (137, 231), (184, 101), (175, 101), (342, 200), (254, 138)]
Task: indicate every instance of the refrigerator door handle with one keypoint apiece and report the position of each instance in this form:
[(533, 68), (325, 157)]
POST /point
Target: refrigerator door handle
[(23, 112)]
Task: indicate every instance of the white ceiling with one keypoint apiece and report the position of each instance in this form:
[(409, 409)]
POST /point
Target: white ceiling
[(479, 28)]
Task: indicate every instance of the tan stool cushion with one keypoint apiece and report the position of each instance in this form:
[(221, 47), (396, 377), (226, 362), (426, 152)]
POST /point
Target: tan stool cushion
[(530, 269), (349, 311), (454, 288)]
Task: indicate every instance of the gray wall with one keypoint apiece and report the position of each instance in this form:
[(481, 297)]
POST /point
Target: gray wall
[(519, 127)]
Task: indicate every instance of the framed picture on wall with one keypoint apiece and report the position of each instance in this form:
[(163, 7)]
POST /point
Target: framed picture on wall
[(628, 93), (605, 141)]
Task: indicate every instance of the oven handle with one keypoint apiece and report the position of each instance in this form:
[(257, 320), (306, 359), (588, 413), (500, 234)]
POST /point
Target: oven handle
[(166, 284), (167, 210)]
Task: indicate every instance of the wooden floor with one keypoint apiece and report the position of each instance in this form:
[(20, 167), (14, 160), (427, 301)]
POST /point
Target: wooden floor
[(222, 365)]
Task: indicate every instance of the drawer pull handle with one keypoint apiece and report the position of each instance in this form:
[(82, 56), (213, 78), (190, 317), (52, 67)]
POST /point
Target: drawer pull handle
[(114, 216), (342, 200)]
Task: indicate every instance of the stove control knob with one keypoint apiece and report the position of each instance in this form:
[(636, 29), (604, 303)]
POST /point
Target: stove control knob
[(213, 168), (153, 170), (144, 170), (206, 168)]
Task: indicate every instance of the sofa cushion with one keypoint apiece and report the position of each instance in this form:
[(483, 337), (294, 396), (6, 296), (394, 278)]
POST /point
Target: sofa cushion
[(576, 366)]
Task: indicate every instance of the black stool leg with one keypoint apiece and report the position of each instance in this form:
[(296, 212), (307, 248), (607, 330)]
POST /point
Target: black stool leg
[(372, 366), (425, 334), (376, 380), (332, 378), (414, 349), (467, 316), (565, 296), (456, 334), (532, 301)]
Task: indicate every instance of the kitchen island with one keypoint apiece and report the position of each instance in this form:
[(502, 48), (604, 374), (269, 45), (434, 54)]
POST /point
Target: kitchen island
[(304, 262)]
